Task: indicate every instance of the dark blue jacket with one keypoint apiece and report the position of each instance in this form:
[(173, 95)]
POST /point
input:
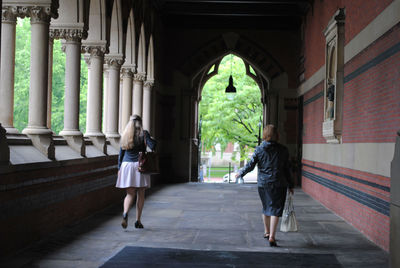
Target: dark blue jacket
[(272, 159), (132, 155)]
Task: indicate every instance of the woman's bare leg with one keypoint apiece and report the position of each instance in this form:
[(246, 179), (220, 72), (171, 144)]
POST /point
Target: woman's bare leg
[(266, 220), (130, 195), (273, 224), (140, 203)]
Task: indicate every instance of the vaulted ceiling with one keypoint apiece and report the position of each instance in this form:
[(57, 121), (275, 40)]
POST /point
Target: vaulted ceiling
[(238, 14)]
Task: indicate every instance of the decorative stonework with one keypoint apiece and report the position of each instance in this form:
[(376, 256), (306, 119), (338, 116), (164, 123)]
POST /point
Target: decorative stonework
[(9, 14), (140, 77), (114, 62), (68, 34), (149, 84), (334, 78), (93, 51), (127, 72), (37, 13)]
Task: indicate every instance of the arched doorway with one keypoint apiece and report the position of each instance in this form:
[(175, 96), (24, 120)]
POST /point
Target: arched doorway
[(230, 123)]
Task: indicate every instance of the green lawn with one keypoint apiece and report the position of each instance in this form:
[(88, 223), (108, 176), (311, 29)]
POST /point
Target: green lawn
[(218, 172)]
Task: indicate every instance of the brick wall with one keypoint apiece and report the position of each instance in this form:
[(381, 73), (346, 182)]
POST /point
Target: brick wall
[(313, 115), (372, 92), (361, 198), (34, 203), (359, 13), (371, 114)]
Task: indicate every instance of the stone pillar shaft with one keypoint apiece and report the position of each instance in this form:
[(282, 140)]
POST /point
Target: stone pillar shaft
[(95, 97), (148, 86), (127, 77), (113, 101), (94, 105), (37, 119), (7, 71), (72, 50), (138, 93)]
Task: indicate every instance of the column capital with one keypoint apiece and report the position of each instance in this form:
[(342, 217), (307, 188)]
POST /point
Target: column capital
[(9, 14), (42, 14), (127, 72), (75, 35), (140, 77), (149, 84), (93, 51), (114, 61)]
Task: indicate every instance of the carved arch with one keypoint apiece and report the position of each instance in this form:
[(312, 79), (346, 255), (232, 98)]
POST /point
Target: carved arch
[(141, 58), (130, 45), (150, 60), (116, 33)]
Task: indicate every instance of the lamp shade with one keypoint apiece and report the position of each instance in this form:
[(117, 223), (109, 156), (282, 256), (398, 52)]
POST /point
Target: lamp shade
[(230, 88)]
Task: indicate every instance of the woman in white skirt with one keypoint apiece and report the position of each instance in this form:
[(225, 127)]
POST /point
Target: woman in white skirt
[(134, 140)]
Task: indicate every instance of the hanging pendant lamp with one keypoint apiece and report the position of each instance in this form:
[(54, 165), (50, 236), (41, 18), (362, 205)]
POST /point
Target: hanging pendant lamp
[(230, 89)]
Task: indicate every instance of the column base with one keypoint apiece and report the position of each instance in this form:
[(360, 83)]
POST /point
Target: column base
[(4, 149), (44, 143), (76, 142), (36, 131), (99, 140), (11, 130)]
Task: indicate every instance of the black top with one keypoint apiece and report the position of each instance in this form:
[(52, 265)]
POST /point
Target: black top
[(273, 165)]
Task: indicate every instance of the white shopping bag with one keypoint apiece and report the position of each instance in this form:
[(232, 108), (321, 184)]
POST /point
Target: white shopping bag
[(289, 222)]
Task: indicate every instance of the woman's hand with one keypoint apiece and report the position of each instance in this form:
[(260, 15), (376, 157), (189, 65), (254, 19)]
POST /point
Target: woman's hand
[(291, 190), (237, 175)]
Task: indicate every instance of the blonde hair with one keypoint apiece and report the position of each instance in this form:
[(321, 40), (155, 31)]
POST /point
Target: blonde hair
[(270, 133), (132, 133)]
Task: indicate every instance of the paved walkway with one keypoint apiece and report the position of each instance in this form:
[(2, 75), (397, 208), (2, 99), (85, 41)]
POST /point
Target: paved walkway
[(202, 217)]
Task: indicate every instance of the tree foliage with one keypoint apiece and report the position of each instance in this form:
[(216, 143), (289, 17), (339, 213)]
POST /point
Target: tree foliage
[(225, 120), (21, 84)]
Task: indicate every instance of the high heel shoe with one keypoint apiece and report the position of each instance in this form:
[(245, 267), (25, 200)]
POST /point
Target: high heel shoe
[(138, 224), (124, 222), (272, 243)]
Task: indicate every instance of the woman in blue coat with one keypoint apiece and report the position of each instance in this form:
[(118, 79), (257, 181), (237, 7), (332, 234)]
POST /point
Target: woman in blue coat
[(273, 179), (133, 141)]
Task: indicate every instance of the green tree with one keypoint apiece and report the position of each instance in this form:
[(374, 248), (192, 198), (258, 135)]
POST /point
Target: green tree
[(225, 120), (22, 71)]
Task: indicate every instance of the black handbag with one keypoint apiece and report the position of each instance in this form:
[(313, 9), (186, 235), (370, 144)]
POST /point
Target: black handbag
[(148, 162)]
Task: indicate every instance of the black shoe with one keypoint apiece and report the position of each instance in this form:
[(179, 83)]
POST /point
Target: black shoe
[(138, 224), (124, 222), (272, 243)]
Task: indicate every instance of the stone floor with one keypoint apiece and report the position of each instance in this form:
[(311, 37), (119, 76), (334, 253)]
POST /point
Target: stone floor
[(202, 217)]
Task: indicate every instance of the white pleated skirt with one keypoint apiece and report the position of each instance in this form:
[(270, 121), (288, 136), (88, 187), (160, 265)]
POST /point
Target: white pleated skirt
[(129, 176)]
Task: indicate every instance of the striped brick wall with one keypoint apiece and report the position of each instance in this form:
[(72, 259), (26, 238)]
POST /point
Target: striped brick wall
[(313, 115), (360, 198), (371, 115), (36, 202), (372, 92)]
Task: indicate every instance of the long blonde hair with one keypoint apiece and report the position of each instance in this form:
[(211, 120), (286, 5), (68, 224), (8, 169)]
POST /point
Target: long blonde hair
[(133, 133)]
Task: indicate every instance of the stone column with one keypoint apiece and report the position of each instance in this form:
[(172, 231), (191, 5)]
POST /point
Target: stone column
[(127, 77), (37, 129), (8, 25), (114, 67), (71, 46), (105, 96), (138, 93), (147, 89), (95, 61), (50, 82)]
